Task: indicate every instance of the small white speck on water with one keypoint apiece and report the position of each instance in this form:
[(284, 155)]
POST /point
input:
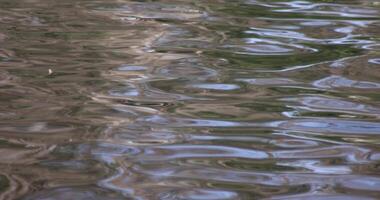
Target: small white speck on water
[(50, 71)]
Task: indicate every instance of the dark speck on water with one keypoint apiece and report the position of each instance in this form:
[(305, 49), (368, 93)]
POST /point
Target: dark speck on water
[(189, 100)]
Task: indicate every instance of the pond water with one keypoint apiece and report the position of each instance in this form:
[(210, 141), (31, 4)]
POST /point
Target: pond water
[(189, 100)]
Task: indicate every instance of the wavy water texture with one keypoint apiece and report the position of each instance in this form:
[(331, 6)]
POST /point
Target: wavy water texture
[(174, 99)]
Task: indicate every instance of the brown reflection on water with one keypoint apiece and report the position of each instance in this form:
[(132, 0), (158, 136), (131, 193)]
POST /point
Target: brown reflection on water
[(177, 99)]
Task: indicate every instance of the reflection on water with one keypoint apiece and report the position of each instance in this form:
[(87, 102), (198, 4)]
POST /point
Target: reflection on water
[(172, 99)]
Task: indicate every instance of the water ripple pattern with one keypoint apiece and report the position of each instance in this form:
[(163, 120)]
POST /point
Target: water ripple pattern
[(189, 100)]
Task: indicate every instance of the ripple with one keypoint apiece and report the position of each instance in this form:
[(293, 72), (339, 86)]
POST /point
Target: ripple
[(332, 9), (374, 61), (156, 11), (216, 86), (302, 37), (198, 194), (333, 126), (294, 143), (12, 186), (317, 167), (212, 174), (365, 183), (184, 122), (199, 151), (269, 179), (41, 127), (267, 42), (267, 49), (350, 153), (182, 70), (108, 151), (125, 93), (261, 49), (132, 68), (339, 81), (320, 196), (279, 33), (332, 104), (23, 154), (317, 23), (268, 81)]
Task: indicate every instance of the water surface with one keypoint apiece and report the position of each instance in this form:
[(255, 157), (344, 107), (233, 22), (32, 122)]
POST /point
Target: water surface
[(192, 100)]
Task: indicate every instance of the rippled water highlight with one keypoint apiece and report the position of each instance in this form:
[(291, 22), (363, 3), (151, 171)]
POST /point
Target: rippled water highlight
[(192, 100)]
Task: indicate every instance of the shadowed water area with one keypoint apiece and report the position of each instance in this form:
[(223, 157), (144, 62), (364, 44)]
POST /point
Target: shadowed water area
[(189, 100)]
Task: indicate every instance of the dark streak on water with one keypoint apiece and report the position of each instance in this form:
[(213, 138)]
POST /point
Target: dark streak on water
[(175, 99)]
